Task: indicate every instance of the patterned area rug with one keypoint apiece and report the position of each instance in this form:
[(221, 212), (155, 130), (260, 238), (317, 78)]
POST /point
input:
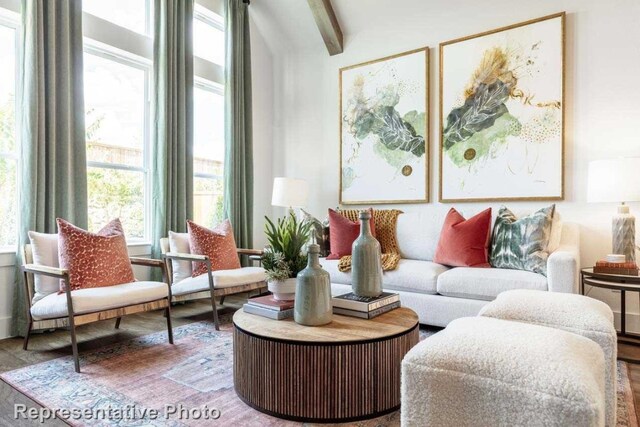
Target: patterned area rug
[(148, 373)]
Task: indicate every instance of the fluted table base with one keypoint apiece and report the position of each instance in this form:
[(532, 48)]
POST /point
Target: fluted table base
[(320, 381)]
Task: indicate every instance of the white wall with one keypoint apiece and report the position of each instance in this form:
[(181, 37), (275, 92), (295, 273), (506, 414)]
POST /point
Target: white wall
[(602, 92), (262, 91)]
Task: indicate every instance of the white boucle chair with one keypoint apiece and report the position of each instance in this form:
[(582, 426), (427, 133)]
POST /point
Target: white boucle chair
[(47, 308), (573, 313), (178, 259), (481, 371)]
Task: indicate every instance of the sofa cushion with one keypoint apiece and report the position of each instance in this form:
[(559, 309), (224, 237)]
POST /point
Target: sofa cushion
[(418, 234), (97, 299), (221, 279), (521, 243), (487, 283), (464, 242), (343, 232), (410, 276)]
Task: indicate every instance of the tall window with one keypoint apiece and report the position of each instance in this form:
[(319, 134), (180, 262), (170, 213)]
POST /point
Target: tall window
[(208, 42), (8, 140), (117, 110)]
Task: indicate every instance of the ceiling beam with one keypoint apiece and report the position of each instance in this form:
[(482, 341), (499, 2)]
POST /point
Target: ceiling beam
[(327, 24)]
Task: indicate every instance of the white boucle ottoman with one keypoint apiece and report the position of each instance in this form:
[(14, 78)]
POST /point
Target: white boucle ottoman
[(574, 313), (481, 371)]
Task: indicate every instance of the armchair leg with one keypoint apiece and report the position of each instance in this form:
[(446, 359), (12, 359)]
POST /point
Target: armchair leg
[(26, 337), (74, 344), (215, 312), (167, 314), (222, 300), (118, 322)]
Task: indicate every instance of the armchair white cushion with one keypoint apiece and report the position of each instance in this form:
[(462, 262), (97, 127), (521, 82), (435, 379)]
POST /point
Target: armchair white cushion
[(44, 247), (179, 243), (221, 279), (97, 299)]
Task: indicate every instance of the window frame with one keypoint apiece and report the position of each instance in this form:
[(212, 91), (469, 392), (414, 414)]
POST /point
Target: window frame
[(111, 53), (9, 19), (208, 76)]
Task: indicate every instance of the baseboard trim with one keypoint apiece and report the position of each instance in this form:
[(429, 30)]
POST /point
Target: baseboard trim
[(5, 327)]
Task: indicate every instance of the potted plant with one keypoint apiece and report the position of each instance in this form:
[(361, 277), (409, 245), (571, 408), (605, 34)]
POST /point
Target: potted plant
[(284, 256)]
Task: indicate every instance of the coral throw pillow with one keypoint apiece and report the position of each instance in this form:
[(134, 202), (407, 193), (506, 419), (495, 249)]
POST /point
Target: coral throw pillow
[(218, 244), (464, 242), (343, 232), (94, 259)]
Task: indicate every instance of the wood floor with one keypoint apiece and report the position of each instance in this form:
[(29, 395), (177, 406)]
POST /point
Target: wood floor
[(51, 345)]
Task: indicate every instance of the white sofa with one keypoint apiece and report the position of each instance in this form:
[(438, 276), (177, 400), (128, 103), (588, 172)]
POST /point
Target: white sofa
[(440, 294)]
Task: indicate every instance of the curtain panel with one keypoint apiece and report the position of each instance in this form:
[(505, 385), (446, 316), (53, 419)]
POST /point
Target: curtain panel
[(238, 161), (52, 131), (172, 159)]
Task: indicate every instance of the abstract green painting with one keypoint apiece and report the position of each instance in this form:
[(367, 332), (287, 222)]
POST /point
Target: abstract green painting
[(501, 113), (384, 130)]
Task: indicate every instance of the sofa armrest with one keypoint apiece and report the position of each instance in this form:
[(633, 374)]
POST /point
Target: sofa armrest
[(250, 252), (563, 269)]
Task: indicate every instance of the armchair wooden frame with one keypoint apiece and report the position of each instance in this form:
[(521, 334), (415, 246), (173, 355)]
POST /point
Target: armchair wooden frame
[(213, 291), (73, 320)]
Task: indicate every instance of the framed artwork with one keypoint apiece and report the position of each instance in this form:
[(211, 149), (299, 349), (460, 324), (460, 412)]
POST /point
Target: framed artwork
[(384, 130), (502, 114)]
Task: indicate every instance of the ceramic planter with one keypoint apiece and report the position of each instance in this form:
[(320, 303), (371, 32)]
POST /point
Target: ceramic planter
[(283, 290)]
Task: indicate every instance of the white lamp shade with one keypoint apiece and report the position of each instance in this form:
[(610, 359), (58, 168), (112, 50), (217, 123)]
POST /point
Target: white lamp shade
[(614, 180), (289, 192)]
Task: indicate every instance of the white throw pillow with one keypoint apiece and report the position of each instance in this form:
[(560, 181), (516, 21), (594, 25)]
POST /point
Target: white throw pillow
[(179, 242), (556, 232), (45, 252)]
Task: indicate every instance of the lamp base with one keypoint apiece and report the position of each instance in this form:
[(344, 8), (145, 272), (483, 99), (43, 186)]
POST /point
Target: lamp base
[(624, 234)]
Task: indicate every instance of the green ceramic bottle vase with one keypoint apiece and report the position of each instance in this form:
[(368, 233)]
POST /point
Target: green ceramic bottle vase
[(312, 306), (366, 263)]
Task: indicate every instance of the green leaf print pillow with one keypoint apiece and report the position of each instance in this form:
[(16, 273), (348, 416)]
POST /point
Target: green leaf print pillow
[(521, 244)]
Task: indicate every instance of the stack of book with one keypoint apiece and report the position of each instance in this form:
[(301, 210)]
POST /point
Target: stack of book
[(268, 306), (365, 307), (607, 266)]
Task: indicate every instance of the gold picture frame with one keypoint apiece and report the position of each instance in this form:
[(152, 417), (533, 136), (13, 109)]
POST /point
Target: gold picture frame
[(442, 118), (425, 129)]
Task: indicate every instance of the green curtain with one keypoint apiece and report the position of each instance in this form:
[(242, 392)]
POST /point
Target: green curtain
[(238, 159), (53, 151), (172, 159)]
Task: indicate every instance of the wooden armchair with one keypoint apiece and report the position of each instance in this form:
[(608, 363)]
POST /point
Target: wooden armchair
[(78, 307), (213, 284)]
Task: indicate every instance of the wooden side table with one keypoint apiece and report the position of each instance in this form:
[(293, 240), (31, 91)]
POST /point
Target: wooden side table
[(345, 371), (622, 283)]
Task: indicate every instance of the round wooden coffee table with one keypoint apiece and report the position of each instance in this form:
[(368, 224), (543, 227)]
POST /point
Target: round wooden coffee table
[(344, 371)]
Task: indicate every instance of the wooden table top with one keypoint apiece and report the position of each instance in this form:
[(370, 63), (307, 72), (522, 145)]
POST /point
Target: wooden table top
[(341, 328)]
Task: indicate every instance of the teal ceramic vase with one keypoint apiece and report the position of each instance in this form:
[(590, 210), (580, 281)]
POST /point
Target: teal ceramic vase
[(312, 306), (366, 263)]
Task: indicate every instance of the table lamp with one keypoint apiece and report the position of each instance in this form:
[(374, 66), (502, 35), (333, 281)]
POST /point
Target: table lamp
[(290, 193), (617, 180)]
